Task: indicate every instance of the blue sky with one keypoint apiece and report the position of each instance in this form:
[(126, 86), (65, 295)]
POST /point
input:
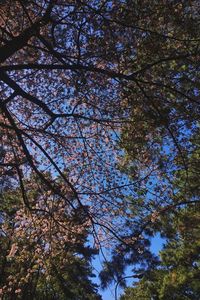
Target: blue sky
[(109, 293)]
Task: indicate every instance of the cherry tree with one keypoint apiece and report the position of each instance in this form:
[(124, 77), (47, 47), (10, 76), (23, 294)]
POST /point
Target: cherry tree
[(76, 77)]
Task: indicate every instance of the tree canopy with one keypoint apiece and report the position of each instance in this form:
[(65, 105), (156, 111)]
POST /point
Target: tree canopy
[(99, 117), (177, 275), (44, 253)]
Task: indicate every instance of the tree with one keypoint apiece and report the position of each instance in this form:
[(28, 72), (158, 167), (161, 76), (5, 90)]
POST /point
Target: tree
[(75, 78), (43, 257), (177, 276)]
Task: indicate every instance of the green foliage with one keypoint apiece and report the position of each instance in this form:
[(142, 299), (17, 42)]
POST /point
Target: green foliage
[(163, 99), (78, 80), (177, 276), (64, 272)]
